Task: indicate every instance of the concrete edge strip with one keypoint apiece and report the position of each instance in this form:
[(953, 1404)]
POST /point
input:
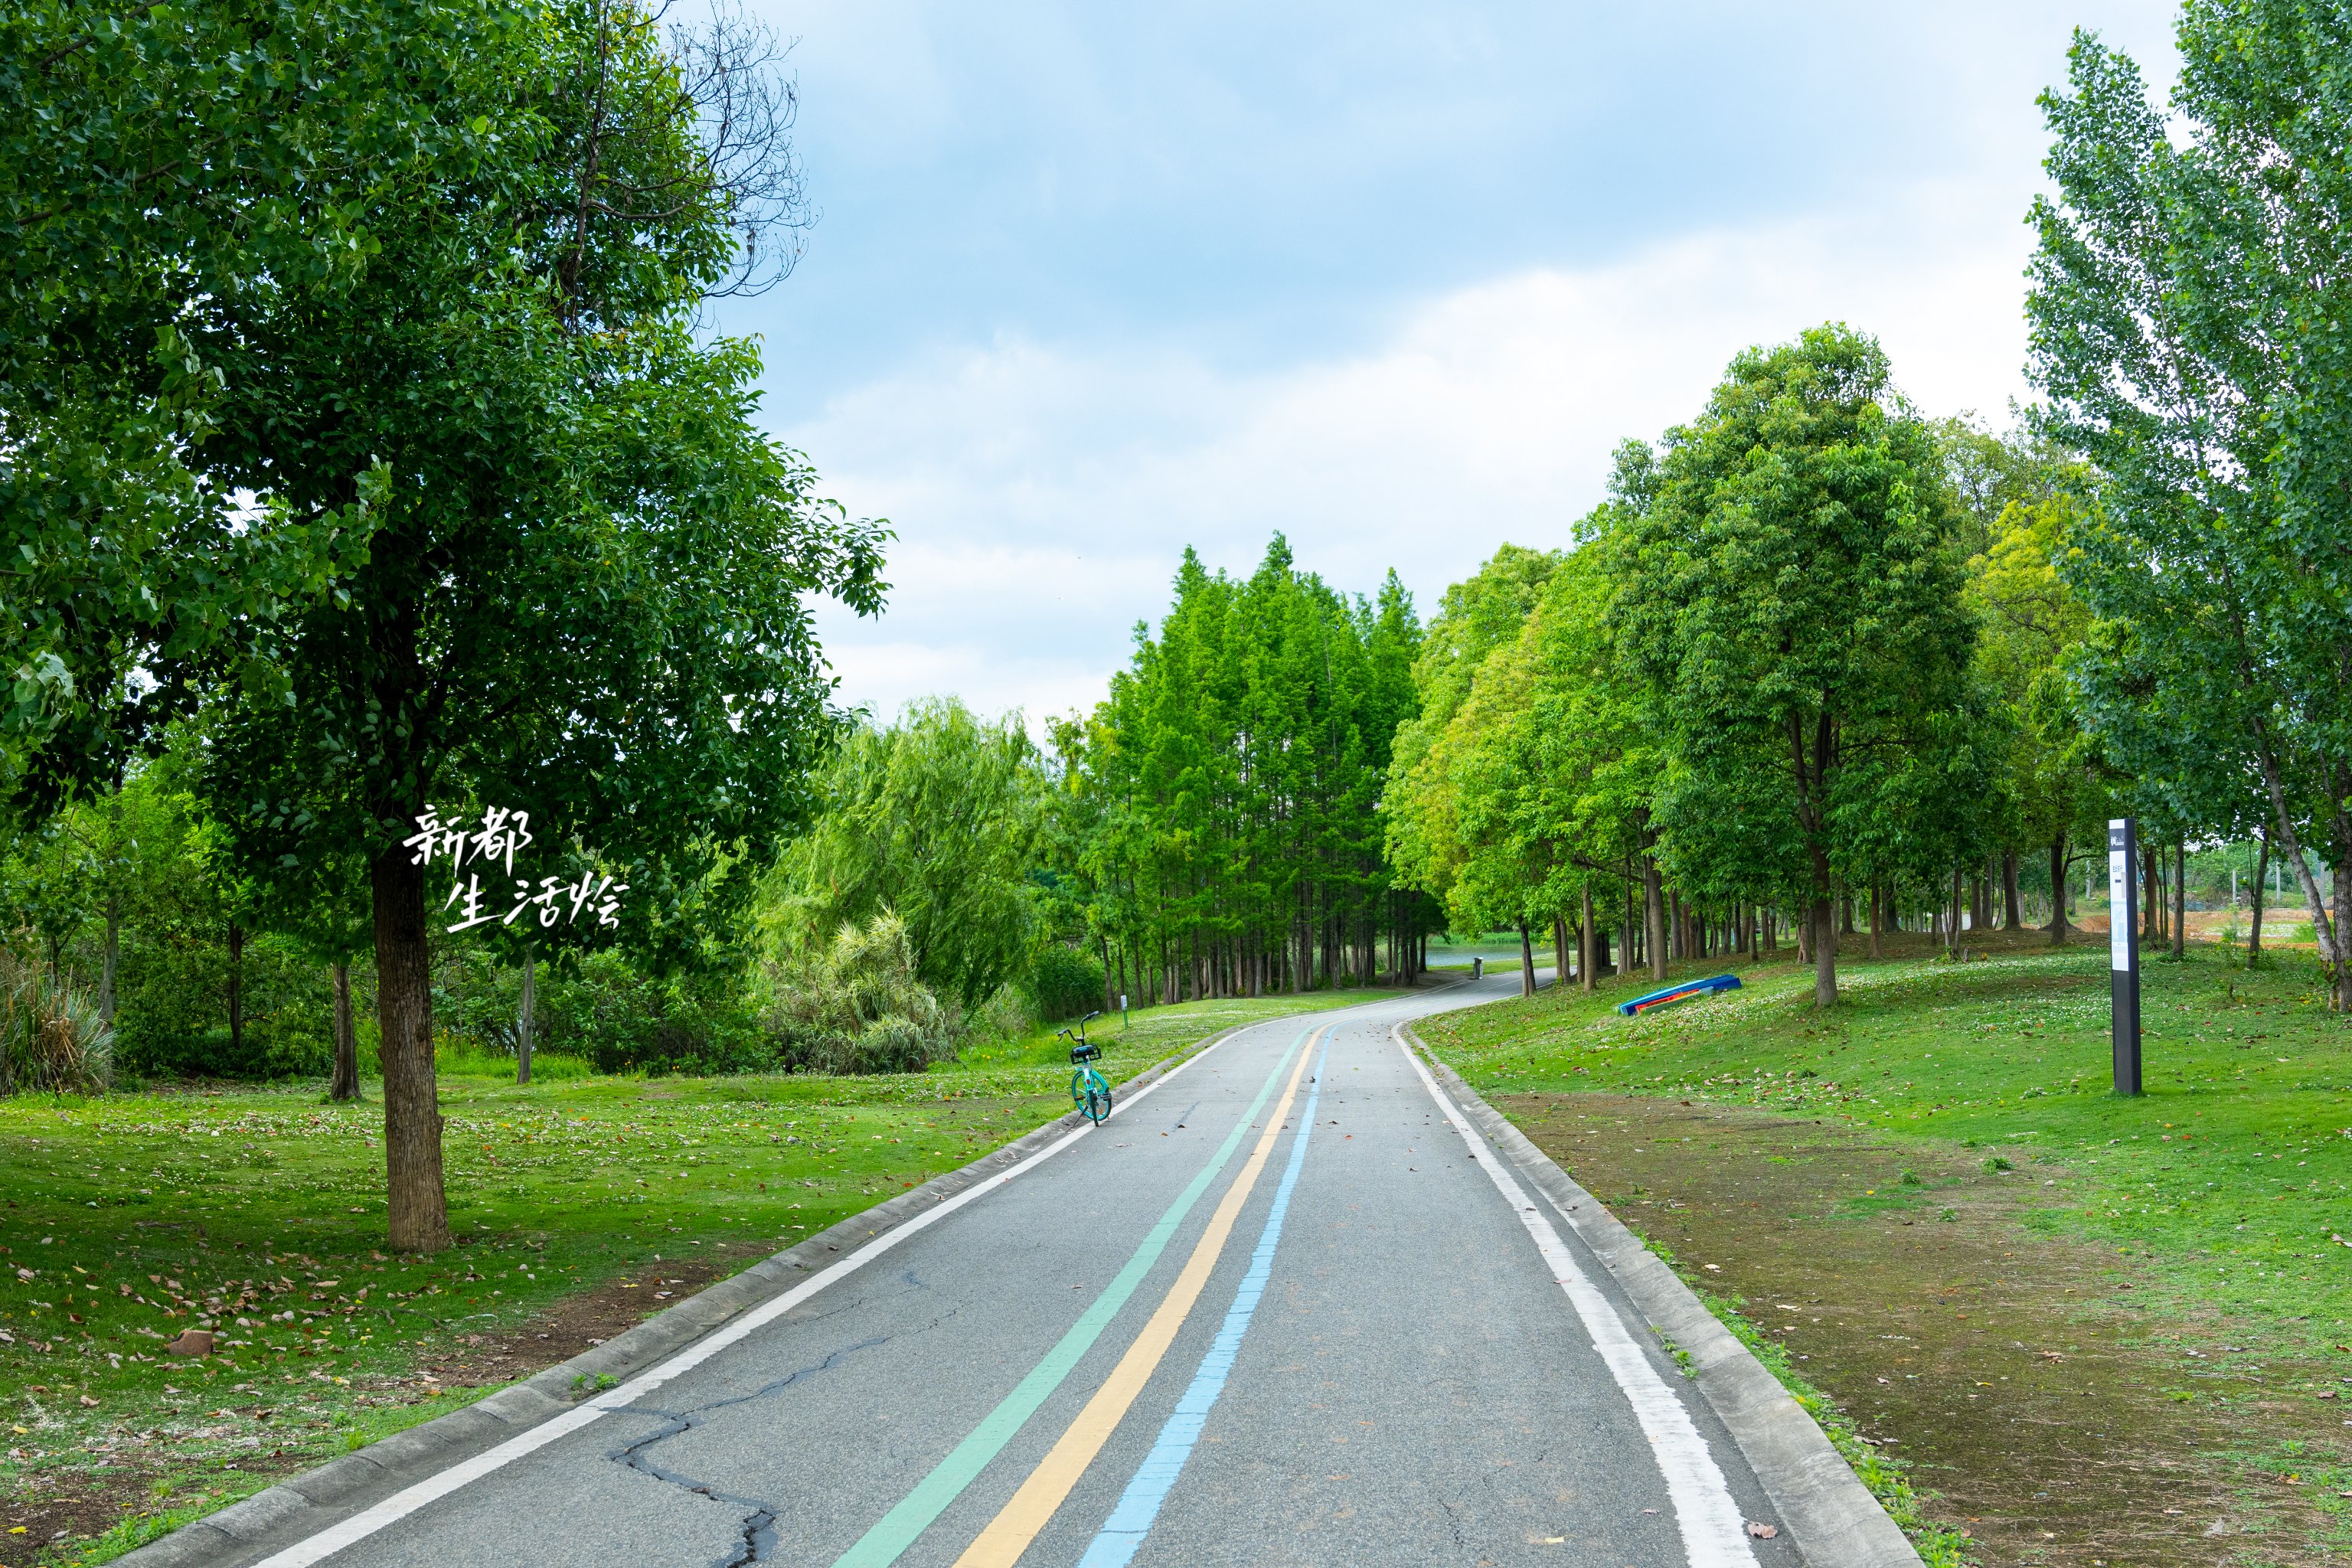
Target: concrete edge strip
[(1831, 1515), (315, 1501)]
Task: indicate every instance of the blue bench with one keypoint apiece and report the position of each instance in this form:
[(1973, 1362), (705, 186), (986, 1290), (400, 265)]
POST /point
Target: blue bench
[(1681, 992)]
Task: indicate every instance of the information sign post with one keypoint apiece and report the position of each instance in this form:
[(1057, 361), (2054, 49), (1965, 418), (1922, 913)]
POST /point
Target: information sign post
[(2122, 951)]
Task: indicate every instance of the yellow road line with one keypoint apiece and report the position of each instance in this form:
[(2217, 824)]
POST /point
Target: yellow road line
[(1008, 1535)]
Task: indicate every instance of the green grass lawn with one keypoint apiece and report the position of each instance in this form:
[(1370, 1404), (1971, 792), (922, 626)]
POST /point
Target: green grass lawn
[(259, 1212), (2230, 1172)]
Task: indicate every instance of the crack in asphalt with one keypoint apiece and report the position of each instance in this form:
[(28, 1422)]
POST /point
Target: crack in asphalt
[(1453, 1524), (759, 1529)]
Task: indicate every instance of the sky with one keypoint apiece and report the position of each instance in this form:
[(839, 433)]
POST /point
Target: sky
[(1089, 284)]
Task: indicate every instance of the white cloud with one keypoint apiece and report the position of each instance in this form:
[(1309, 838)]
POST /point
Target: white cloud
[(1042, 492)]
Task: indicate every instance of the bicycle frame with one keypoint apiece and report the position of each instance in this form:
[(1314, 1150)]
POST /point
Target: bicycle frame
[(1089, 1091)]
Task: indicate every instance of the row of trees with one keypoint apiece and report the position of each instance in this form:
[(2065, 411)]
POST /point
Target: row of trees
[(1216, 829), (1817, 651), (1773, 675), (372, 457)]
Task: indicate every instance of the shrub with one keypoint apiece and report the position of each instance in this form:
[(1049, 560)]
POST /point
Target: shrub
[(1066, 981), (855, 1006), (600, 1008), (172, 1012)]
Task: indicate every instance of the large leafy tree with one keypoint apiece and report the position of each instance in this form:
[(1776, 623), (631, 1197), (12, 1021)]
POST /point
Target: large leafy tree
[(2029, 625), (170, 177), (587, 583), (1794, 594), (1452, 732), (2190, 327)]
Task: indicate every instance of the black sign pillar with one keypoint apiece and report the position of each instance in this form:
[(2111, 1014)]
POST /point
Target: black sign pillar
[(2122, 950)]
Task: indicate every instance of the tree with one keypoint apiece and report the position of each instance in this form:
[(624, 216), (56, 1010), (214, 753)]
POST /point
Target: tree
[(936, 821), (584, 592), (193, 170), (1423, 807), (1795, 597), (2189, 326), (2029, 625)]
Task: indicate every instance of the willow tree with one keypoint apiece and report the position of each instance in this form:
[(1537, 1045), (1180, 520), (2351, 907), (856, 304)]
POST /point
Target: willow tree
[(585, 580), (936, 819)]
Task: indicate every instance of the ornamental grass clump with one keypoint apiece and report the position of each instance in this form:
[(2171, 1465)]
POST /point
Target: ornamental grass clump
[(52, 1036), (855, 1006)]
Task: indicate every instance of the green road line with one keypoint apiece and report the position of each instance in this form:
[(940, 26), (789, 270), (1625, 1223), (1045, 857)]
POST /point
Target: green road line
[(881, 1545)]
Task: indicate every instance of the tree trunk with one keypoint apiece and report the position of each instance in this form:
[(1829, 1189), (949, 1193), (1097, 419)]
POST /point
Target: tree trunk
[(1952, 937), (1845, 911), (2180, 899), (1527, 962), (111, 959), (1824, 952), (2344, 922), (2261, 877), (2058, 892), (1584, 942), (2151, 915), (345, 1084), (1559, 957), (525, 1018), (236, 991), (2011, 918), (417, 1209), (1877, 915), (1655, 899)]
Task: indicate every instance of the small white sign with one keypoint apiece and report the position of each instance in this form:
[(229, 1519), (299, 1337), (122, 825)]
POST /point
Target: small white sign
[(2119, 895)]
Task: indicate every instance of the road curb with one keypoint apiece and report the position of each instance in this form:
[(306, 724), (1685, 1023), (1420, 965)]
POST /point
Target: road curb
[(1832, 1517), (304, 1504)]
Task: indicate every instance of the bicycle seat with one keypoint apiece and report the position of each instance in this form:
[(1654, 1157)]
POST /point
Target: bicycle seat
[(1085, 1052)]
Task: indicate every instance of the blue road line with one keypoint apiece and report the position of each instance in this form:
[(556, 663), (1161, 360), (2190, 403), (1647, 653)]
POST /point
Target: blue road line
[(1138, 1506)]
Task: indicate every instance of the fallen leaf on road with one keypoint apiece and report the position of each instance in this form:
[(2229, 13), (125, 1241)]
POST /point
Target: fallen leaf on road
[(1763, 1532)]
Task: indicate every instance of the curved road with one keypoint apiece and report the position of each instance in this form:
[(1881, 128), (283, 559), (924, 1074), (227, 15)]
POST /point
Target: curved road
[(1283, 1308)]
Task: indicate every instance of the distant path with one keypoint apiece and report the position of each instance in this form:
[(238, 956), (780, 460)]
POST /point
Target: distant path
[(1278, 1309)]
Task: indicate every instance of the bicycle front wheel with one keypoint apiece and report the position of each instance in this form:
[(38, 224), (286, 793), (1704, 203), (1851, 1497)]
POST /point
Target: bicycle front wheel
[(1091, 1095)]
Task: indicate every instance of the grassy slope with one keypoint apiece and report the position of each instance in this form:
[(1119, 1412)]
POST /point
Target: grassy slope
[(2231, 1169), (2228, 1178), (129, 1218)]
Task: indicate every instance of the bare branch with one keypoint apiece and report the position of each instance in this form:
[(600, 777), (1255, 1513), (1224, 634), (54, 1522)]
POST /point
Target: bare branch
[(732, 67)]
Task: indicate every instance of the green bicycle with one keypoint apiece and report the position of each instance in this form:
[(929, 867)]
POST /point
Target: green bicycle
[(1088, 1089)]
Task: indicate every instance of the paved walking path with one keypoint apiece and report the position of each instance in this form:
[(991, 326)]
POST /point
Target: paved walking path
[(1283, 1308)]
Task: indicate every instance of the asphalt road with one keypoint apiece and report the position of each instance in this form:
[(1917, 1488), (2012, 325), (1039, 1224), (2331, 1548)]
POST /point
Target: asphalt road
[(1281, 1309)]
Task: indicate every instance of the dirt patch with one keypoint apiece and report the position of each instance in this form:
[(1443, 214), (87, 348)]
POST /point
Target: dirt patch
[(47, 1521), (2040, 1408), (580, 1322)]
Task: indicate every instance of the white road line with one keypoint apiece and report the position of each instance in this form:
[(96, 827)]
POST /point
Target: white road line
[(1715, 1532), (441, 1483)]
